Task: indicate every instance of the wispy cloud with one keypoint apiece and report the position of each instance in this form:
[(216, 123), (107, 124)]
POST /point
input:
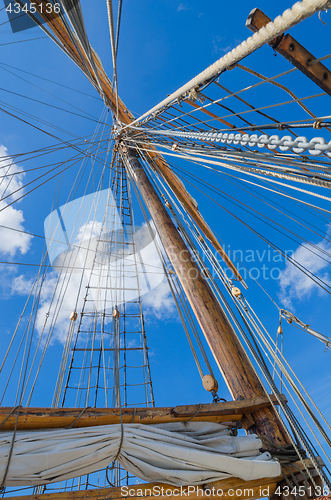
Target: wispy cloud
[(220, 47), (295, 285), (12, 180), (159, 302), (21, 285), (183, 7)]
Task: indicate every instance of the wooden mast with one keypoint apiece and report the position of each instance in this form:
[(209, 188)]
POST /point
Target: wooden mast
[(229, 354)]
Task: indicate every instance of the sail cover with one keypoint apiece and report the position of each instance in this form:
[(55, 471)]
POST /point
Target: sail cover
[(173, 453)]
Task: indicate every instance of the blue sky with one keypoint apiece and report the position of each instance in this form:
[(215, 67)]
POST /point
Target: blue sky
[(162, 45)]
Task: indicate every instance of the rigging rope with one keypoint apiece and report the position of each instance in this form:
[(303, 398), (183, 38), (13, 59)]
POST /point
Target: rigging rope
[(119, 16), (249, 171), (290, 17)]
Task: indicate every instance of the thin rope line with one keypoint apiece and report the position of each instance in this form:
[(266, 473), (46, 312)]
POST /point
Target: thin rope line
[(77, 418)]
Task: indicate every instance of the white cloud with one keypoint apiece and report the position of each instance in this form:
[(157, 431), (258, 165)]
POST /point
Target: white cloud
[(65, 292), (159, 302), (88, 231), (58, 297), (296, 285), (11, 176), (183, 7), (21, 285), (12, 241), (10, 181)]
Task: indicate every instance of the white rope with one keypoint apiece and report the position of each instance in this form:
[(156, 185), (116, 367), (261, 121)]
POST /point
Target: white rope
[(300, 145), (254, 158), (250, 171), (290, 17)]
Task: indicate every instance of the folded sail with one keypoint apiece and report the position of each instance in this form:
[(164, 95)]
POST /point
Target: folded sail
[(175, 453)]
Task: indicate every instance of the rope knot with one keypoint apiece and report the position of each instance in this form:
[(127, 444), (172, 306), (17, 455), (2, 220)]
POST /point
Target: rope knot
[(195, 95), (318, 124)]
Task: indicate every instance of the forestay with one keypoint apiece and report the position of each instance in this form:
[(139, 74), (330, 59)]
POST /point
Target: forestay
[(174, 453)]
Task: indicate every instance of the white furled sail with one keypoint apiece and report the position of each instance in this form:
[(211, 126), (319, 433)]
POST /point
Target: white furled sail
[(176, 453)]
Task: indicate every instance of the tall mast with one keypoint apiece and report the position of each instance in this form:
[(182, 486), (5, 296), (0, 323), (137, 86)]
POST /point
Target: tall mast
[(233, 362), (232, 359), (229, 354)]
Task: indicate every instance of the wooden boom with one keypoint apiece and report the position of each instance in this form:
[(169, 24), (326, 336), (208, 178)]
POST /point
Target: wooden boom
[(56, 418)]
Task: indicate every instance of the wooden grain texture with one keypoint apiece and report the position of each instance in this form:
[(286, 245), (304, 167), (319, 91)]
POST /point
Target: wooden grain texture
[(57, 418)]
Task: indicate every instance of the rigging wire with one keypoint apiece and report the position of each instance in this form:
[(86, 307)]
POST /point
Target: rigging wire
[(22, 41), (323, 284), (180, 293), (227, 196), (49, 105), (270, 203), (227, 97), (51, 81), (59, 293), (118, 25), (39, 185), (298, 429), (178, 296), (45, 91), (250, 171), (113, 43), (41, 266), (279, 85)]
